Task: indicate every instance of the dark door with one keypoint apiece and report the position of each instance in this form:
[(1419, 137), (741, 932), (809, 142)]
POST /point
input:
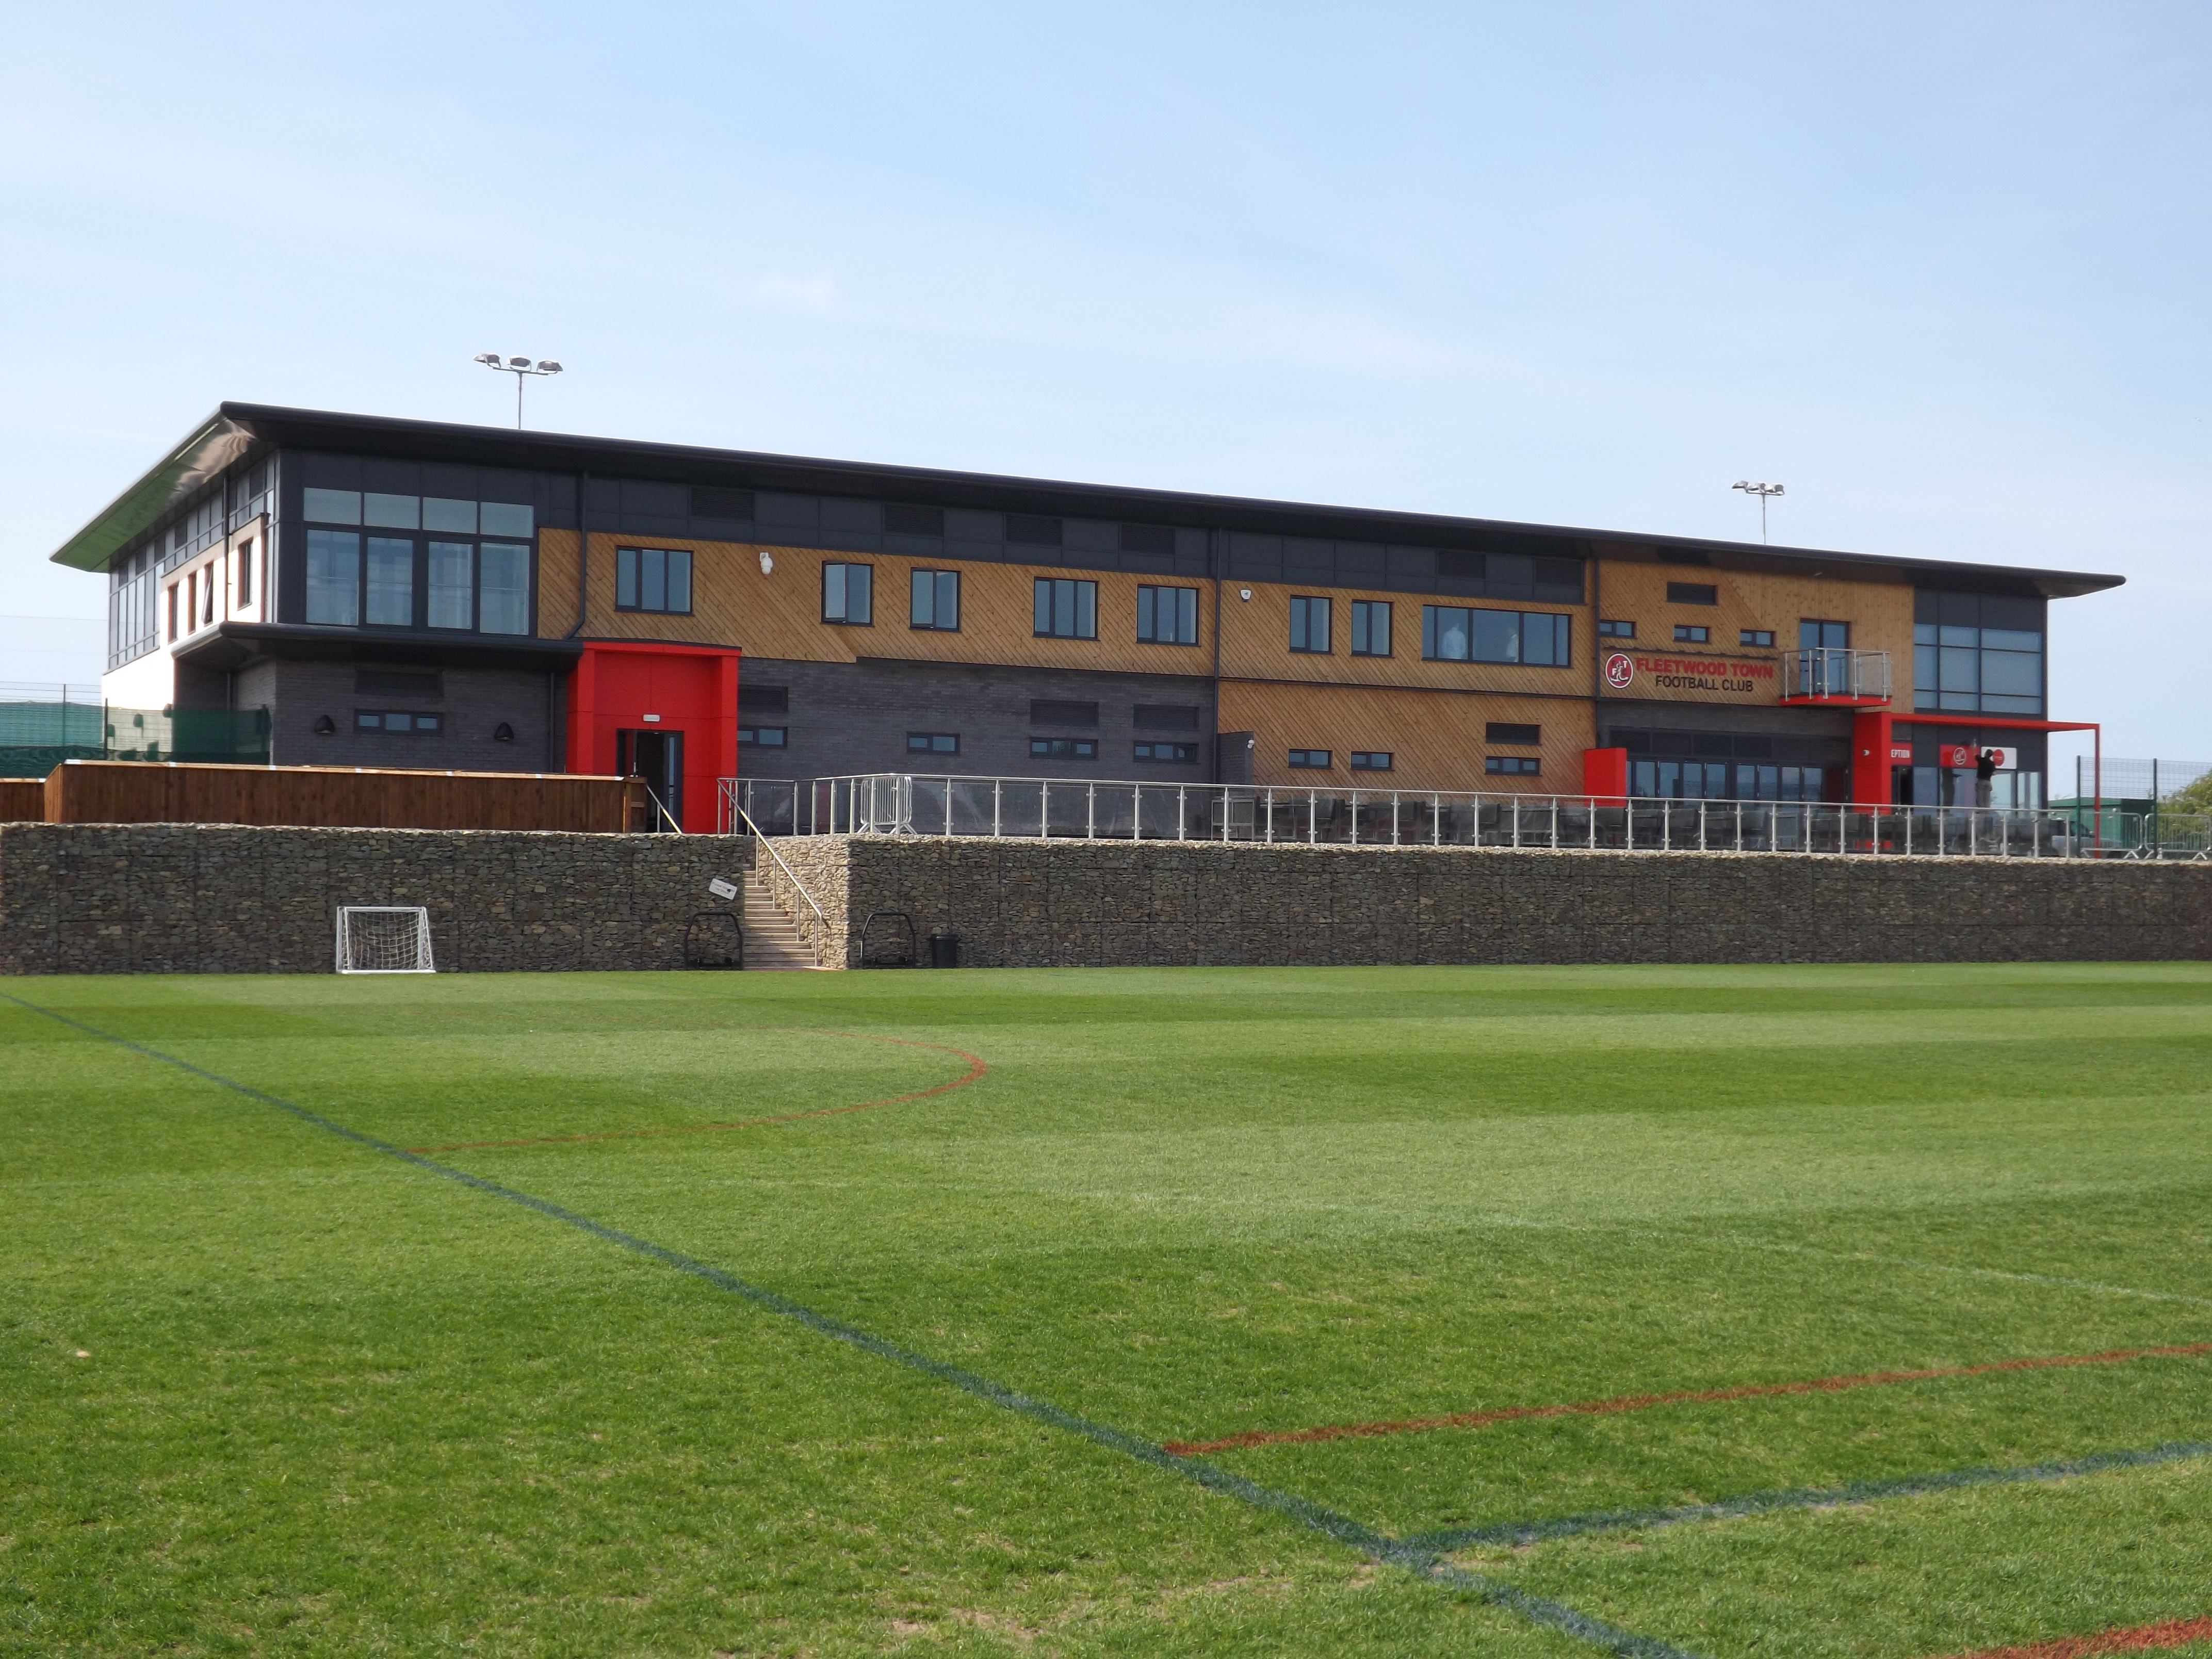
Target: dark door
[(658, 757)]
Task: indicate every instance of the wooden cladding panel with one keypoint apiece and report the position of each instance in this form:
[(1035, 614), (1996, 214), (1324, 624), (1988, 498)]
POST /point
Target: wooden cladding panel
[(168, 792), (1435, 740), (1256, 642), (22, 800), (1880, 613)]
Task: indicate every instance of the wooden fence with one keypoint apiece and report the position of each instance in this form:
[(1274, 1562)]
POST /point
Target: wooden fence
[(22, 800), (335, 797)]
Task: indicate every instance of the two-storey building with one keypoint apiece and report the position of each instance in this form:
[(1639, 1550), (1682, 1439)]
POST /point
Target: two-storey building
[(403, 593)]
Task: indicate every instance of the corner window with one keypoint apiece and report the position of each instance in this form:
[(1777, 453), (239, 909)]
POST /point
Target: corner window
[(1081, 748), (1687, 635), (1309, 760), (1761, 637), (393, 719), (1168, 754), (1451, 633), (1166, 616), (1065, 609), (936, 601), (1309, 624), (933, 743), (763, 737), (848, 594), (1371, 760), (1512, 766), (654, 579), (1615, 628), (1370, 628)]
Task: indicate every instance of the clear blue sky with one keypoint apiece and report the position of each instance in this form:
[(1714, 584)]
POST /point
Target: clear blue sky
[(1942, 270)]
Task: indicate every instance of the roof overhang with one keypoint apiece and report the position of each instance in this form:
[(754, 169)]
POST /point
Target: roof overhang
[(230, 646), (235, 428)]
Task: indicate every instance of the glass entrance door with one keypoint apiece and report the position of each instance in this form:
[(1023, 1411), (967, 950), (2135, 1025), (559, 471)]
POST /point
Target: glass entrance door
[(657, 757)]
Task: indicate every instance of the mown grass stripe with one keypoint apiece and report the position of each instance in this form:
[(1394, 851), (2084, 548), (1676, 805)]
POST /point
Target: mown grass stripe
[(1380, 1547), (1640, 1402), (1512, 1533)]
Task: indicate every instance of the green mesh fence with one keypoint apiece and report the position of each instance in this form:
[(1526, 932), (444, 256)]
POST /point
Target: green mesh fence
[(37, 737)]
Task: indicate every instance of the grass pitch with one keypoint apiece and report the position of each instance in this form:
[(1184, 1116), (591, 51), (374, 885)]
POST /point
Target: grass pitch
[(1721, 1273)]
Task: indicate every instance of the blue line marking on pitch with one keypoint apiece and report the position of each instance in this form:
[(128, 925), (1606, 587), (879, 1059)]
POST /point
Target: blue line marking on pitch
[(1416, 1556), (1515, 1533)]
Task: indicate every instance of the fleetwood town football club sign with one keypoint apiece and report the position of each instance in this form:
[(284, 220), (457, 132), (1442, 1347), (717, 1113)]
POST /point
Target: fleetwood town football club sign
[(1693, 679)]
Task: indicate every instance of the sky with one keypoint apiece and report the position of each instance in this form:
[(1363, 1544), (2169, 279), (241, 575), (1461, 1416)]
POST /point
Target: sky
[(1942, 271)]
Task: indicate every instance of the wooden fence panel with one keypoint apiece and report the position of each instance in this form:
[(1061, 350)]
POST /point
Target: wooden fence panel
[(332, 797), (22, 800)]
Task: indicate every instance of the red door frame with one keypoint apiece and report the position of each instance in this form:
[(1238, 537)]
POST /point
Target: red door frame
[(710, 747)]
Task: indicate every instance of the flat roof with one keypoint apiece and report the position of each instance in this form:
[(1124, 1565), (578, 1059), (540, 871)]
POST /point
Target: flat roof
[(236, 430)]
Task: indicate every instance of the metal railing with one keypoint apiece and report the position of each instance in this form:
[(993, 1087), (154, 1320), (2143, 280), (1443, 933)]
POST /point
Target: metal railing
[(910, 803), (1835, 673), (732, 803)]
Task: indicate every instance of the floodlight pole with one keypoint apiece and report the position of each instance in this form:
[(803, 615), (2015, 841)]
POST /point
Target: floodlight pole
[(1764, 491), (518, 367)]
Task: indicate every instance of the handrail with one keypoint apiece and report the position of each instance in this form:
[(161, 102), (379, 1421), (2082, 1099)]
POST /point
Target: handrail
[(667, 817), (760, 840)]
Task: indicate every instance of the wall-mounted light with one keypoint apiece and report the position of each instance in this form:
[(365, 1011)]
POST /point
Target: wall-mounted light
[(325, 727), (1245, 594), (767, 562), (502, 732)]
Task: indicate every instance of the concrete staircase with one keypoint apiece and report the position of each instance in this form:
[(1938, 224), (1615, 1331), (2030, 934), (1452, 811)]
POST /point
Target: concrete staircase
[(772, 940)]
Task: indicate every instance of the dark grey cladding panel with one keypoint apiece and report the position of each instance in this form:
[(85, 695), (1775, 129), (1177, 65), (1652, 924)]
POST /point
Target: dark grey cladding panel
[(1090, 535), (842, 513), (914, 547), (963, 525), (786, 512), (659, 502)]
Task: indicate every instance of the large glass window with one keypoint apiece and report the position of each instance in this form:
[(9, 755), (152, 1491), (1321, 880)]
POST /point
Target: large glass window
[(1993, 670), (1309, 624), (505, 588), (1451, 633), (936, 601), (1166, 616), (654, 579), (848, 594), (452, 584), (1066, 610), (1370, 628), (391, 581), (333, 579)]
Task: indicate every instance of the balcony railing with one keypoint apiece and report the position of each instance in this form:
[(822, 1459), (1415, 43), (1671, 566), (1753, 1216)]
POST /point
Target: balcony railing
[(1832, 674), (908, 804)]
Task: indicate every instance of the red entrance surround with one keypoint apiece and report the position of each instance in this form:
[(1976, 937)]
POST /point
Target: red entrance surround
[(1872, 735), (620, 687)]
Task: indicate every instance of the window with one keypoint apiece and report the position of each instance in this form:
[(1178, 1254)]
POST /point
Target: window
[(1761, 637), (393, 719), (452, 584), (1500, 732), (900, 520), (1310, 760), (1998, 670), (390, 581), (1693, 593), (506, 587), (436, 512), (172, 606), (763, 737), (848, 594), (1045, 712), (333, 578), (1371, 760), (1812, 635), (1166, 616), (1156, 538), (1165, 716), (1031, 531), (331, 506), (1685, 634), (1168, 754), (933, 743), (1370, 628), (207, 594), (1066, 610), (246, 573), (1616, 629), (654, 579), (1309, 624), (1512, 766), (936, 601), (1064, 749), (1451, 633)]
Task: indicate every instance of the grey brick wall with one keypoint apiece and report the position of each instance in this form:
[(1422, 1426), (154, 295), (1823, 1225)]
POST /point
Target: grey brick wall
[(1088, 903), (225, 898), (473, 701)]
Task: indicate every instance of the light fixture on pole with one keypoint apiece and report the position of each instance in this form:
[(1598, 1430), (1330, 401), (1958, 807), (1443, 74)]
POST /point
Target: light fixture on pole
[(1764, 491), (518, 367)]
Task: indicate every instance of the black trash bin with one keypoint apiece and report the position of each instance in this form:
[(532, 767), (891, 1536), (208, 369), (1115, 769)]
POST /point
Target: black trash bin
[(944, 950)]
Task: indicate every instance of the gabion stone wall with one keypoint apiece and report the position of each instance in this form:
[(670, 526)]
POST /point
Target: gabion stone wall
[(1025, 904), (165, 898)]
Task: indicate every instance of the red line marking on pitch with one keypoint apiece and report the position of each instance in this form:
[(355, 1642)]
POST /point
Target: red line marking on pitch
[(1636, 1402), (2141, 1639), (975, 1069)]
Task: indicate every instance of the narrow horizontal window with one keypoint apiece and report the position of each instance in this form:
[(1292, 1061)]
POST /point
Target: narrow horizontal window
[(1044, 711), (394, 720), (1512, 766), (1693, 593), (1167, 615), (439, 513), (1503, 732), (1370, 760), (331, 506), (933, 743), (1168, 754), (1164, 716), (763, 737), (1687, 635), (848, 594), (1763, 638), (1310, 760), (1063, 748), (1614, 627)]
